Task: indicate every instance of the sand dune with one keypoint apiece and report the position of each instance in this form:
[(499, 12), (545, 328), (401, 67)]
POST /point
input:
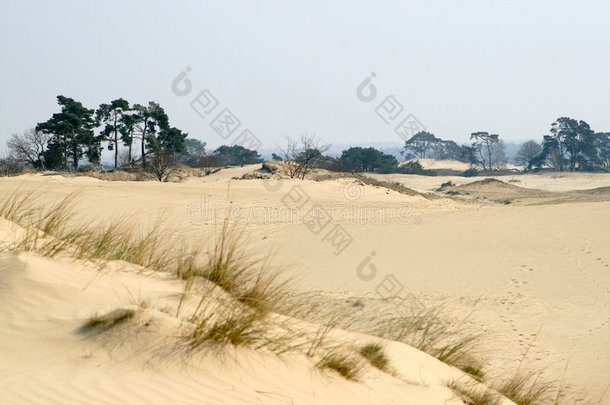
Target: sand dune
[(536, 278)]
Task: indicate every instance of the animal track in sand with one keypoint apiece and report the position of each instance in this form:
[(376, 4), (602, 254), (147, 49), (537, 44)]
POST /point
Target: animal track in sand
[(585, 246), (517, 282)]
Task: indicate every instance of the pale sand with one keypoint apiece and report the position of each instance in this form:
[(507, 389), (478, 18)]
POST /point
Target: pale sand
[(523, 271)]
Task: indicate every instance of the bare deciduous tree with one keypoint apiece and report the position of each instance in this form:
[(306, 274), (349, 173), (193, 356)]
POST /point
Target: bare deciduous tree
[(527, 154), (498, 155), (490, 150), (125, 157), (10, 165), (163, 167), (301, 155), (28, 147)]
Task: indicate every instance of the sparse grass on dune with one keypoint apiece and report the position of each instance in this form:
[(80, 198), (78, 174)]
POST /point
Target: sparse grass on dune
[(246, 303), (50, 231), (251, 283), (429, 332)]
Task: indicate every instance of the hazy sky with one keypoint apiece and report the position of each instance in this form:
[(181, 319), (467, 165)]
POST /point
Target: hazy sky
[(288, 67)]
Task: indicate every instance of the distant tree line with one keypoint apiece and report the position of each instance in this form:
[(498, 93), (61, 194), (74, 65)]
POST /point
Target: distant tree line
[(571, 145), (302, 155), (486, 150), (77, 133)]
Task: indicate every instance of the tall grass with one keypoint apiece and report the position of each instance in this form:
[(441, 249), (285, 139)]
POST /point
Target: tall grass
[(232, 324), (250, 281), (527, 388)]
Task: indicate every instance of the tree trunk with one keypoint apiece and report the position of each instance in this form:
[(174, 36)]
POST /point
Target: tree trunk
[(75, 154), (143, 144), (489, 155), (116, 143)]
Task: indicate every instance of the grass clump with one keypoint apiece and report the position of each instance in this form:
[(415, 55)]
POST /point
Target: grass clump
[(474, 394), (428, 332), (526, 388), (238, 329), (250, 281), (109, 320), (347, 365), (373, 352), (222, 320)]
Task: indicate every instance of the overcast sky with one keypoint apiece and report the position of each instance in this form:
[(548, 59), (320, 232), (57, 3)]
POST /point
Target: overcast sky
[(288, 67)]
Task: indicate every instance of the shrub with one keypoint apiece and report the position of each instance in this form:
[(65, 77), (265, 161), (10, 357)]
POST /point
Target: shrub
[(414, 167), (10, 166), (472, 172)]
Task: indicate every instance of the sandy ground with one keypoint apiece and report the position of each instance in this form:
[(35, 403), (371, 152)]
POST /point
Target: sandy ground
[(536, 278), (437, 164)]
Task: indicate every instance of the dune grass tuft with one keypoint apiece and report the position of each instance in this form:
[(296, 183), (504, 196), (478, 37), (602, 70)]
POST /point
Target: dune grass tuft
[(373, 352), (250, 281), (527, 388), (429, 332), (109, 320), (474, 394), (238, 329)]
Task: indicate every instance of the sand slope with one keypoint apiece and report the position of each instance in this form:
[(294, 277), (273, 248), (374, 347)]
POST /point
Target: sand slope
[(45, 357)]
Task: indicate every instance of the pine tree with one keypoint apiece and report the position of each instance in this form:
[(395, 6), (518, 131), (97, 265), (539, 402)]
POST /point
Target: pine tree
[(111, 115), (71, 133)]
